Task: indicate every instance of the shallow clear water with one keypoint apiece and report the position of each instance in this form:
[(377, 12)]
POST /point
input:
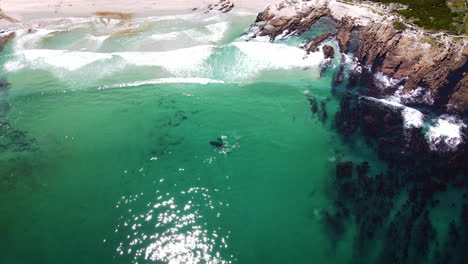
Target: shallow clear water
[(111, 161)]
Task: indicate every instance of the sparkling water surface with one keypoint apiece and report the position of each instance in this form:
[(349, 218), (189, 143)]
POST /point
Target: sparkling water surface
[(108, 158)]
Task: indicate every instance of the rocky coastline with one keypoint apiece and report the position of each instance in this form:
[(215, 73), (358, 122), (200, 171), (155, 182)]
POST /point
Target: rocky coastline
[(436, 65), (407, 67), (412, 111)]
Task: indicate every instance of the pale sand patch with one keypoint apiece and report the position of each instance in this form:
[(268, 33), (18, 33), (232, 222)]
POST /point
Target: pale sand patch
[(24, 9)]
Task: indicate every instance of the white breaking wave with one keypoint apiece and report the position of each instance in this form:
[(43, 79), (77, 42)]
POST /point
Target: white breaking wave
[(213, 33), (41, 58), (249, 59), (446, 131), (411, 117), (217, 31), (202, 81), (174, 60), (277, 56), (25, 39)]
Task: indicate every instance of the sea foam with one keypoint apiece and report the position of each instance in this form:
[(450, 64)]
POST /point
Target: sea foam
[(202, 81), (278, 56), (446, 133)]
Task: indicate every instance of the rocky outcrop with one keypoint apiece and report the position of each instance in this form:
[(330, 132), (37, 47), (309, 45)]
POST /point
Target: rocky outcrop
[(313, 43), (430, 68), (223, 6), (328, 52), (435, 67), (458, 102), (344, 33), (287, 19), (5, 38)]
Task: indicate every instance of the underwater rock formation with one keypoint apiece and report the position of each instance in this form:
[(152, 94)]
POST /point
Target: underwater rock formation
[(318, 108)]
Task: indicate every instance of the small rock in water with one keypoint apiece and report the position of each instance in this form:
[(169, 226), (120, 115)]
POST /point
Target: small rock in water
[(328, 52), (306, 92)]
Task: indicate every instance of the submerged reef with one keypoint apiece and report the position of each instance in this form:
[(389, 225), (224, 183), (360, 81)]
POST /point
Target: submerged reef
[(14, 143)]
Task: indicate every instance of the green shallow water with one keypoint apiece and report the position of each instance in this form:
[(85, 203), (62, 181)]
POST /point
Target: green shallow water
[(122, 173)]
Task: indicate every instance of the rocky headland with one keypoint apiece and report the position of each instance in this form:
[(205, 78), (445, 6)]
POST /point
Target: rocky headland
[(405, 66), (431, 67), (406, 93)]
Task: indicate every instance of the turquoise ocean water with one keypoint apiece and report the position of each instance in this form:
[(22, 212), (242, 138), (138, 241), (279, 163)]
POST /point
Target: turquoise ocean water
[(106, 154)]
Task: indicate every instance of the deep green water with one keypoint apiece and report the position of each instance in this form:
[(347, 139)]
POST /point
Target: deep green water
[(108, 160)]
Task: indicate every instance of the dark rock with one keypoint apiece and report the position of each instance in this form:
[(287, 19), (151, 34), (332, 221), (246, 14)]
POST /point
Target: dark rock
[(344, 170), (4, 40), (348, 117), (312, 43), (344, 33), (271, 26), (328, 52), (313, 104)]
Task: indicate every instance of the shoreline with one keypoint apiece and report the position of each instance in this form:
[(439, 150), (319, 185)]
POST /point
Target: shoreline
[(24, 10)]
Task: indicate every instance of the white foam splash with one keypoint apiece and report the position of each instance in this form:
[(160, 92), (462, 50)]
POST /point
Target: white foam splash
[(419, 95), (202, 81), (412, 118), (446, 134), (278, 56), (217, 31), (382, 81)]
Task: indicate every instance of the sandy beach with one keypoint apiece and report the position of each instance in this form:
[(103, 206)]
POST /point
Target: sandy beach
[(25, 9)]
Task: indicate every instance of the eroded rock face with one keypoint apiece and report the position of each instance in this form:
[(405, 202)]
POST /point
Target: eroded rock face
[(458, 102), (344, 33), (437, 68)]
